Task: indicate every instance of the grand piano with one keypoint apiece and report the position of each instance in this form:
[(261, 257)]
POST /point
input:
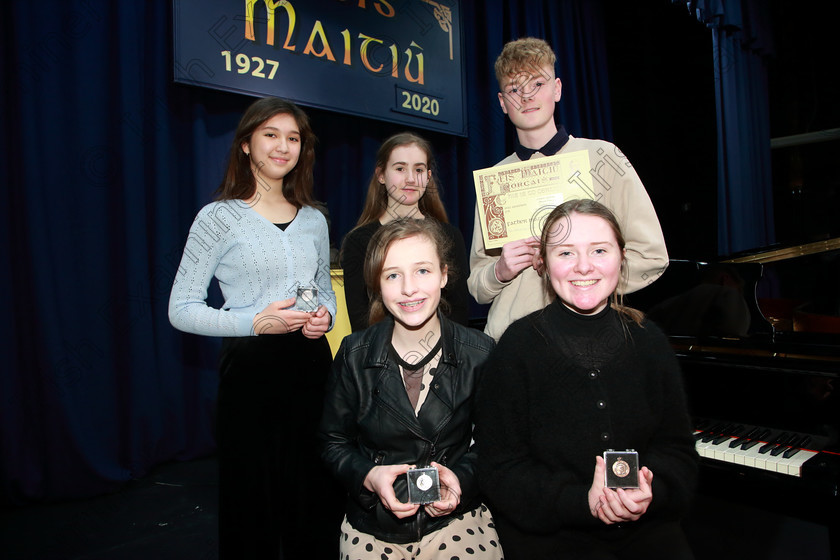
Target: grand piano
[(758, 338)]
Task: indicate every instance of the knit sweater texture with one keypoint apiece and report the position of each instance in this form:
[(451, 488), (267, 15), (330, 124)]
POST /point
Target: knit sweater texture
[(560, 389), (255, 262)]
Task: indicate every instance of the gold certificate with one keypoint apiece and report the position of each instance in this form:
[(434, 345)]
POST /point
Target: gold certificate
[(515, 199)]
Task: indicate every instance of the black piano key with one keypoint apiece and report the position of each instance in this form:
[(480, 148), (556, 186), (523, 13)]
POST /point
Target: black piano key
[(800, 441), (756, 440), (715, 431), (772, 444), (753, 433), (791, 452), (736, 431), (733, 433), (711, 433), (786, 443), (796, 443), (749, 444), (778, 449), (745, 438)]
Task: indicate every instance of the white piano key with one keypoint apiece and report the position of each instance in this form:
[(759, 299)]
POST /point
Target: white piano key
[(760, 461), (730, 454), (702, 448), (793, 465), (751, 455), (720, 450), (772, 463), (739, 456)]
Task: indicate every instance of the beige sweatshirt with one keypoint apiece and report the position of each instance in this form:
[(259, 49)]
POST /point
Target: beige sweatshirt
[(618, 187)]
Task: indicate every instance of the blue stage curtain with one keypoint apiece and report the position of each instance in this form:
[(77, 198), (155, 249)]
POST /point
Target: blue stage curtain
[(741, 41), (107, 161)]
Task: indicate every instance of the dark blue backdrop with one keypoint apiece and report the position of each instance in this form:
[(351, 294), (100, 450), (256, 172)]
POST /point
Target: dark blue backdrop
[(106, 163)]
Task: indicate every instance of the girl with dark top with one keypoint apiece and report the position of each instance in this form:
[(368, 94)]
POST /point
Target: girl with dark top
[(401, 396), (403, 185), (566, 383), (263, 239)]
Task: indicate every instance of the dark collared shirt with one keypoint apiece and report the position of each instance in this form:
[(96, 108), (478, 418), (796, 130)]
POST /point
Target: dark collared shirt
[(552, 146)]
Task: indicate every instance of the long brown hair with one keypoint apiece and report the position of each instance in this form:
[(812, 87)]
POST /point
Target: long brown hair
[(551, 231), (377, 196), (239, 181), (378, 249)]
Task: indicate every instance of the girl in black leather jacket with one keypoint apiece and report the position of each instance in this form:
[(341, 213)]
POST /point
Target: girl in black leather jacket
[(401, 396)]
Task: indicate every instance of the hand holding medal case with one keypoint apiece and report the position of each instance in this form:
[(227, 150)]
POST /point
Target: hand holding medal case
[(423, 485), (307, 299), (622, 469)]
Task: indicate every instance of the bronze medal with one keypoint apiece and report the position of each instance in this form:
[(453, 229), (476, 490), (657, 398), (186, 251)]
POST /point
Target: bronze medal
[(620, 468)]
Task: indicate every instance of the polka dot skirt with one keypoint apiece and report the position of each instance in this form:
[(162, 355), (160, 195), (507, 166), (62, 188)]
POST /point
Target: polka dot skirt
[(472, 535)]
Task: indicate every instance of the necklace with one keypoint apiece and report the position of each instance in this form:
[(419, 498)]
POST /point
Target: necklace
[(413, 373), (422, 363)]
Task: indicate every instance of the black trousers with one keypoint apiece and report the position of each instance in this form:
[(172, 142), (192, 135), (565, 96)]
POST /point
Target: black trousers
[(276, 499), (656, 540)]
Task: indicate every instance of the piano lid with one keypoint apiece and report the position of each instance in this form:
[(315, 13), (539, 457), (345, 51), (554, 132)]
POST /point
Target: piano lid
[(762, 307), (773, 255)]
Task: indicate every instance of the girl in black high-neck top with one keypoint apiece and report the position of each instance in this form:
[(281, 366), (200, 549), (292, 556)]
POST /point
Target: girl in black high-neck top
[(569, 382), (404, 184)]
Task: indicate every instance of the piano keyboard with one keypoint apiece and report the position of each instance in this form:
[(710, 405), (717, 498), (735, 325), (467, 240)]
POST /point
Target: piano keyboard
[(755, 447)]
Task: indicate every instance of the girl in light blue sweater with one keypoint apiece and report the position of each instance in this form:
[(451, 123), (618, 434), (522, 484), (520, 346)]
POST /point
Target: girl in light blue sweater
[(268, 247)]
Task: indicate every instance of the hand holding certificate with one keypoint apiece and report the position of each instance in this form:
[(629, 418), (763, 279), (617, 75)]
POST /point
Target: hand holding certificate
[(514, 199)]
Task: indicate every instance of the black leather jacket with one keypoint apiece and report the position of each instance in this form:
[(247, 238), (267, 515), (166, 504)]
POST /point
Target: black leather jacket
[(368, 421)]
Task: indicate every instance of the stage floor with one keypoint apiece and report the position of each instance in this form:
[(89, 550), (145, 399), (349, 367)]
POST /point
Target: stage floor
[(172, 513)]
